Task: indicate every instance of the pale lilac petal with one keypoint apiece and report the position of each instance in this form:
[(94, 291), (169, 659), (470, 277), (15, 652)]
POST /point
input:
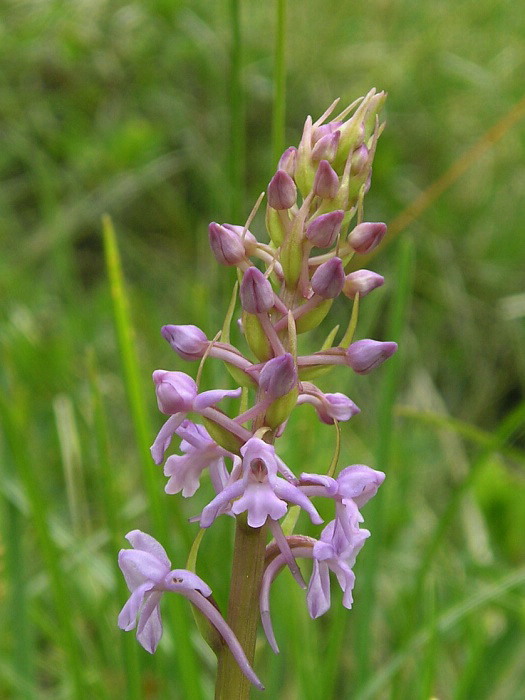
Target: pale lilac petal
[(127, 618), (292, 494), (214, 616), (175, 391), (261, 502), (284, 547), (346, 579), (182, 580), (149, 630), (330, 485), (135, 564), (318, 596), (211, 511), (256, 449), (147, 543), (210, 398), (184, 472), (359, 482), (163, 439)]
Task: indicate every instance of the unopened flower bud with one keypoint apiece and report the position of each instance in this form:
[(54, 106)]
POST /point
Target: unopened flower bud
[(326, 147), (287, 161), (328, 279), (366, 236), (226, 245), (362, 281), (278, 376), (326, 182), (248, 239), (365, 355), (256, 292), (282, 191), (189, 342), (321, 131), (323, 230)]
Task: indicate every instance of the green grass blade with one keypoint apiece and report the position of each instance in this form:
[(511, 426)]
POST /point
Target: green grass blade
[(188, 668), (279, 83), (364, 612)]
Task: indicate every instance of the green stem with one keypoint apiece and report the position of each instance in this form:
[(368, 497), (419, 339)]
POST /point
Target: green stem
[(243, 608)]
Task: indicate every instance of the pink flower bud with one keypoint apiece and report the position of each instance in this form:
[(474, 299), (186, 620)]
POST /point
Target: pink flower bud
[(248, 239), (325, 129), (278, 376), (366, 236), (326, 147), (256, 292), (282, 191), (365, 355), (189, 342), (288, 160), (326, 182), (323, 230), (362, 281), (226, 245), (328, 279)]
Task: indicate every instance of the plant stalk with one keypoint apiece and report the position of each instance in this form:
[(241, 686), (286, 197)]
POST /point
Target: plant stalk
[(243, 608)]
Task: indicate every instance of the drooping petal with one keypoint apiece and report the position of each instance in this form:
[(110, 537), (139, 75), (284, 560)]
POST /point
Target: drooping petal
[(214, 616), (318, 595), (163, 439), (149, 629), (127, 618)]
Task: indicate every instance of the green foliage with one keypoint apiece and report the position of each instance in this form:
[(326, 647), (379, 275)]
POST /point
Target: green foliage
[(126, 108)]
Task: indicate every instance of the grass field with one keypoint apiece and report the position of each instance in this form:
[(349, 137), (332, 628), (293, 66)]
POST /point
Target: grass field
[(160, 114)]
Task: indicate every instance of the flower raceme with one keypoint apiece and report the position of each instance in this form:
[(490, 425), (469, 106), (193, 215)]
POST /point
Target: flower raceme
[(317, 190)]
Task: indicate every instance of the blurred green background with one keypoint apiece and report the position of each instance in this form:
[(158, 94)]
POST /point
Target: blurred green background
[(159, 113)]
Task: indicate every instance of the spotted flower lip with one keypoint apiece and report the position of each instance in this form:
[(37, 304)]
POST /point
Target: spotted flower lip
[(148, 574)]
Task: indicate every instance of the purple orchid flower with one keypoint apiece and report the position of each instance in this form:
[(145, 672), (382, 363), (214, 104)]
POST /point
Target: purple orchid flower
[(260, 492), (177, 395), (148, 574), (201, 452)]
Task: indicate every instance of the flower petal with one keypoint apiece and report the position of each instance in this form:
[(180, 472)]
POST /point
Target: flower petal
[(149, 630), (210, 398), (127, 618), (163, 439), (147, 543)]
